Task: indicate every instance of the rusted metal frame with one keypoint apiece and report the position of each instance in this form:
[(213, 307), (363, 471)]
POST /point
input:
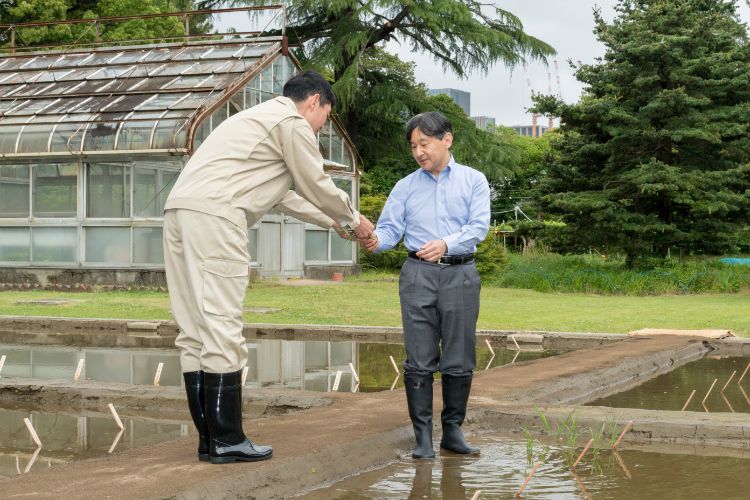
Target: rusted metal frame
[(145, 16), (203, 112)]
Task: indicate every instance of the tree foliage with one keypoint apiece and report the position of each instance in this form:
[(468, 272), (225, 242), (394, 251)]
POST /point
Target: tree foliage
[(655, 155)]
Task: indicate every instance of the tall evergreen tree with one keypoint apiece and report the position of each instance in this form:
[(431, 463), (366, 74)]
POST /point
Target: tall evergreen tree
[(655, 155)]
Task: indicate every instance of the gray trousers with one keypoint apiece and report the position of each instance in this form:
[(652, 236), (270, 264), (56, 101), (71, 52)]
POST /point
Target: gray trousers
[(439, 308)]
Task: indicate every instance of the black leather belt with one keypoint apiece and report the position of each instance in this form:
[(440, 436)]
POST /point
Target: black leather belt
[(449, 260)]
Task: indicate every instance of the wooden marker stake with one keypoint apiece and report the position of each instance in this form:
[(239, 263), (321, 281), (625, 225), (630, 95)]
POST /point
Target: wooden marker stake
[(2, 362), (626, 429), (513, 338), (32, 460), (395, 380), (395, 366), (476, 495), (729, 380), (528, 478), (116, 440), (79, 369), (157, 377), (743, 373), (244, 375), (588, 445), (33, 433), (489, 346), (709, 392), (688, 400), (117, 417), (354, 372), (336, 381)]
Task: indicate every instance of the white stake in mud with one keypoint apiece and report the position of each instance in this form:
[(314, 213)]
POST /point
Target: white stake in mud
[(79, 369), (34, 436), (513, 338), (244, 376), (395, 381), (476, 495), (727, 402), (489, 363), (622, 464), (514, 357), (588, 445), (624, 431), (336, 381), (709, 392), (18, 465), (117, 417), (744, 373), (116, 440), (688, 400), (354, 372), (2, 362), (528, 478), (489, 346), (729, 380), (395, 366), (744, 394), (157, 377)]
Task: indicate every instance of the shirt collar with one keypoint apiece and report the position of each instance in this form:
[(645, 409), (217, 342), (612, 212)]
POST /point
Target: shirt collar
[(446, 171)]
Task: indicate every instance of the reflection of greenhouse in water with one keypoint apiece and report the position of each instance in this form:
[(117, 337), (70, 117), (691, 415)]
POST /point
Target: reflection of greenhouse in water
[(91, 141), (307, 365)]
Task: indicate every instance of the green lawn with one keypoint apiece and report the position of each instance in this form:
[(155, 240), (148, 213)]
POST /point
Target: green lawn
[(360, 302)]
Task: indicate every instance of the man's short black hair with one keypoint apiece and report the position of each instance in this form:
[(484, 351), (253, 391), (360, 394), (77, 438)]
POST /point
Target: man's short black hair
[(303, 85), (432, 124)]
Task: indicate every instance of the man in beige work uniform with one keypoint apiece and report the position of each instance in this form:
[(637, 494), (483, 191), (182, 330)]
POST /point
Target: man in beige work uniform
[(243, 169)]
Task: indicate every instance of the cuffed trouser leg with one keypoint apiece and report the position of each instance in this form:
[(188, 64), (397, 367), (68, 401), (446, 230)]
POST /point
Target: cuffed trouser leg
[(206, 262)]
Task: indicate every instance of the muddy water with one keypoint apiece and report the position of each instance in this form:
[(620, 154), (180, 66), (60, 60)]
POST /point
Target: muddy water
[(502, 468), (69, 437), (671, 390), (308, 365)]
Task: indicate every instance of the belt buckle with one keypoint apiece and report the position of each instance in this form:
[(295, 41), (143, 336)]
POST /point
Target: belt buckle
[(441, 261)]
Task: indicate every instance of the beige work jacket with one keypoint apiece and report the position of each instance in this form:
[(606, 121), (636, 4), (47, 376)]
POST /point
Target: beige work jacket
[(247, 164)]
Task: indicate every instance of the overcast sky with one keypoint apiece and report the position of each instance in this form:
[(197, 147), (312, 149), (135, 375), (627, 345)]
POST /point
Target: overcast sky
[(567, 25), (504, 94)]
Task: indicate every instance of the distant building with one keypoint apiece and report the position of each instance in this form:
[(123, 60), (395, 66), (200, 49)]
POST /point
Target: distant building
[(484, 122), (528, 130), (462, 98)]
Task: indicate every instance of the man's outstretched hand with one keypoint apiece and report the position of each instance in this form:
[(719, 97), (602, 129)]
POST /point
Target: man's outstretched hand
[(365, 228)]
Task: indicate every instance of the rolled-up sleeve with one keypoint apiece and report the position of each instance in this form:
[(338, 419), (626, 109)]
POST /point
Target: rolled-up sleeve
[(392, 221), (303, 159), (475, 230)]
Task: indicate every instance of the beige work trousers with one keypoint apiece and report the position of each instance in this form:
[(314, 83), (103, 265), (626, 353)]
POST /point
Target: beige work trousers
[(206, 261)]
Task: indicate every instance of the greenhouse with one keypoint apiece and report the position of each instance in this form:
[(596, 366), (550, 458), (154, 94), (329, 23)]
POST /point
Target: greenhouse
[(91, 141)]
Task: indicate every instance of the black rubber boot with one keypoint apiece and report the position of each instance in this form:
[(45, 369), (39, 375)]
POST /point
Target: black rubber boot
[(194, 389), (419, 400), (456, 389), (223, 400)]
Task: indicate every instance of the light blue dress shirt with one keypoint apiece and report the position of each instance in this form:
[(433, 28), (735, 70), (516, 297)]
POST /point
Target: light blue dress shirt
[(454, 207)]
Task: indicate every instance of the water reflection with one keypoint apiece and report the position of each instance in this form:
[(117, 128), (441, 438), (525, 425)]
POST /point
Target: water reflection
[(287, 364), (68, 437), (502, 468), (671, 391)]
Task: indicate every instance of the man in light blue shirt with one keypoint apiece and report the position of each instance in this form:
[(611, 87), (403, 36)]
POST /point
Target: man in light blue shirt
[(442, 210)]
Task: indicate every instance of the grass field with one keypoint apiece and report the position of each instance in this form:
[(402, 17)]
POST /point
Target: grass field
[(375, 302)]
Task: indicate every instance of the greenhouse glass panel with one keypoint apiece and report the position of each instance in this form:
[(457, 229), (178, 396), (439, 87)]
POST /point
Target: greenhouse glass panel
[(252, 95), (279, 75), (14, 191), (316, 245), (150, 190), (324, 140), (135, 135), (337, 145), (15, 244), (169, 134), (100, 137), (55, 190), (218, 116), (266, 84), (252, 244), (108, 191), (345, 184), (9, 128), (54, 244), (202, 132), (147, 245), (341, 250), (236, 103), (348, 157), (67, 137), (108, 245), (34, 138)]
